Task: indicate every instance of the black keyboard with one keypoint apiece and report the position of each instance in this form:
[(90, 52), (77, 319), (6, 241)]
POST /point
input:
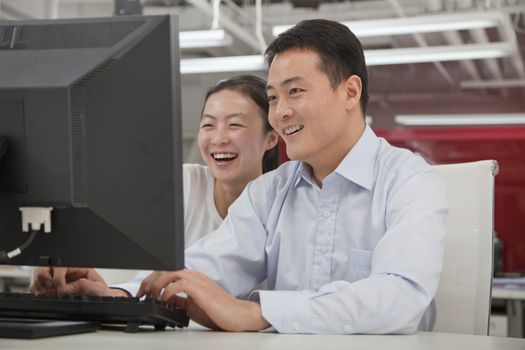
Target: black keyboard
[(132, 312)]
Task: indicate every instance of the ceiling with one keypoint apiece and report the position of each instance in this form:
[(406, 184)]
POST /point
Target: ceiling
[(468, 86)]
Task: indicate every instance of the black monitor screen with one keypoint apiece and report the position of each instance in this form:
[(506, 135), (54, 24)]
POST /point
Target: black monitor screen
[(90, 126)]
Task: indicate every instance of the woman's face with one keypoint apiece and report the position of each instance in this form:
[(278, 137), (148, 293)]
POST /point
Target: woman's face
[(232, 139)]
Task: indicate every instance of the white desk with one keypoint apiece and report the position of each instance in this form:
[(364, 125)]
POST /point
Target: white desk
[(194, 338)]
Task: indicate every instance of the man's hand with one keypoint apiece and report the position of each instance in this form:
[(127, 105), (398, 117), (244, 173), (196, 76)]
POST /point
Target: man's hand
[(206, 303), (61, 280)]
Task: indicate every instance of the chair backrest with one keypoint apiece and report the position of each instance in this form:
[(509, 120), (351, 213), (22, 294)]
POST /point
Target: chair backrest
[(464, 292)]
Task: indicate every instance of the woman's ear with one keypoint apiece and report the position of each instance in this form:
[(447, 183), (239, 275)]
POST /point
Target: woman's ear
[(271, 140)]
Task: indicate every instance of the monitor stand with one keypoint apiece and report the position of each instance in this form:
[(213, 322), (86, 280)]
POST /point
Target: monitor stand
[(32, 328)]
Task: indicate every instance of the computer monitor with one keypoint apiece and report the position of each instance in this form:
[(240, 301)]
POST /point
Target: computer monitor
[(91, 121)]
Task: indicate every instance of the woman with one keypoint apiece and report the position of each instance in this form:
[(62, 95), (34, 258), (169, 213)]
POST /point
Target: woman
[(237, 144)]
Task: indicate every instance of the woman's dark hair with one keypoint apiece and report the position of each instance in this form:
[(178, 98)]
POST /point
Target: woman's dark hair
[(254, 88), (338, 48)]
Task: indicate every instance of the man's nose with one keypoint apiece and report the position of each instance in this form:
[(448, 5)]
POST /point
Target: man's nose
[(283, 109)]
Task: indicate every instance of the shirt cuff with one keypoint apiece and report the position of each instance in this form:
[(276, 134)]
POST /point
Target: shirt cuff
[(286, 311), (291, 312)]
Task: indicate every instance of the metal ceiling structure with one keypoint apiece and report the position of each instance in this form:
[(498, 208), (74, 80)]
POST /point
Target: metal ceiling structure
[(434, 85)]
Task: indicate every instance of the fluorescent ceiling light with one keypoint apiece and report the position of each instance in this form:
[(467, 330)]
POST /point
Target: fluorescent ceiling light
[(204, 38), (492, 84), (373, 58), (437, 53), (419, 24), (223, 64), (460, 119)]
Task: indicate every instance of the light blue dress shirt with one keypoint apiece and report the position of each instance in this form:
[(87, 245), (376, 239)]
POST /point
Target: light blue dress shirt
[(361, 254)]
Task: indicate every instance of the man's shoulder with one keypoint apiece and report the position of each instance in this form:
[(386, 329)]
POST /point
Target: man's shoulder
[(395, 165), (282, 176), (400, 159), (284, 171), (402, 172)]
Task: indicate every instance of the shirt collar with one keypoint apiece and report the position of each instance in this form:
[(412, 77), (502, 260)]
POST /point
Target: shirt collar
[(305, 173), (357, 166)]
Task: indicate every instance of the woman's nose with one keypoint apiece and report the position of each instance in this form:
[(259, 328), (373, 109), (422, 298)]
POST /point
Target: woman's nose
[(220, 136)]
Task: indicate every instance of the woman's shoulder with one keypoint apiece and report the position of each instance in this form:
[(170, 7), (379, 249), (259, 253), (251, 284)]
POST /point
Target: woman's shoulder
[(196, 174), (196, 169)]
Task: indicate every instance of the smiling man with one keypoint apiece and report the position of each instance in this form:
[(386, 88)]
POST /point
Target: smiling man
[(349, 234)]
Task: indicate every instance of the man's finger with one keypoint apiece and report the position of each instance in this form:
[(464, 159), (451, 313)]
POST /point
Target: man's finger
[(59, 278), (145, 286), (162, 281), (42, 281)]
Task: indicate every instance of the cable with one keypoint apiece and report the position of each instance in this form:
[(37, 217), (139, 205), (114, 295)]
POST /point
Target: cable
[(33, 218), (6, 256)]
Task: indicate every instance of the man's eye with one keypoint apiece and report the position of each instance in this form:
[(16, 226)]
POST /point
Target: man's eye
[(206, 126), (295, 91), (272, 99)]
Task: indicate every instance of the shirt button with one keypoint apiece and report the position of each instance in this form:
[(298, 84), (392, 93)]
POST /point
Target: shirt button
[(347, 328), (295, 325), (326, 214), (324, 250)]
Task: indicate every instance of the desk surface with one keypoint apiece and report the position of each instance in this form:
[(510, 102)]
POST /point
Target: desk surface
[(195, 338)]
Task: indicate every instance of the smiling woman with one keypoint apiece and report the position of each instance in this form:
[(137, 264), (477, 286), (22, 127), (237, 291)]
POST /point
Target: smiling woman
[(237, 144)]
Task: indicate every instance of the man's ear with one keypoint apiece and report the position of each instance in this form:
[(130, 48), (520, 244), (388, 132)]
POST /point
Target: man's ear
[(352, 88), (271, 140)]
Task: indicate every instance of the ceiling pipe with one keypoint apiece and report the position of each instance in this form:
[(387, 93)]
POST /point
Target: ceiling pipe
[(232, 27)]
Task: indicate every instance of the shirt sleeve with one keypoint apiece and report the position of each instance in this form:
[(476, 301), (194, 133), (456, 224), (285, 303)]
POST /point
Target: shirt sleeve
[(405, 269), (234, 255)]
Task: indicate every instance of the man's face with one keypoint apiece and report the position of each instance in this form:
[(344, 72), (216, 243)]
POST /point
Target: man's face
[(305, 110)]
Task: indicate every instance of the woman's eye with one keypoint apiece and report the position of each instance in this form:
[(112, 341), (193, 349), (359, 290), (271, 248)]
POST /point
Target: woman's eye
[(203, 126), (272, 99)]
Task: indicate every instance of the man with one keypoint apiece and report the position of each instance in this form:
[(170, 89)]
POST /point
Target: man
[(349, 233)]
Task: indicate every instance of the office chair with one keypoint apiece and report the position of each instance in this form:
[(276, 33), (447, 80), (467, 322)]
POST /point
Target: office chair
[(463, 298)]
